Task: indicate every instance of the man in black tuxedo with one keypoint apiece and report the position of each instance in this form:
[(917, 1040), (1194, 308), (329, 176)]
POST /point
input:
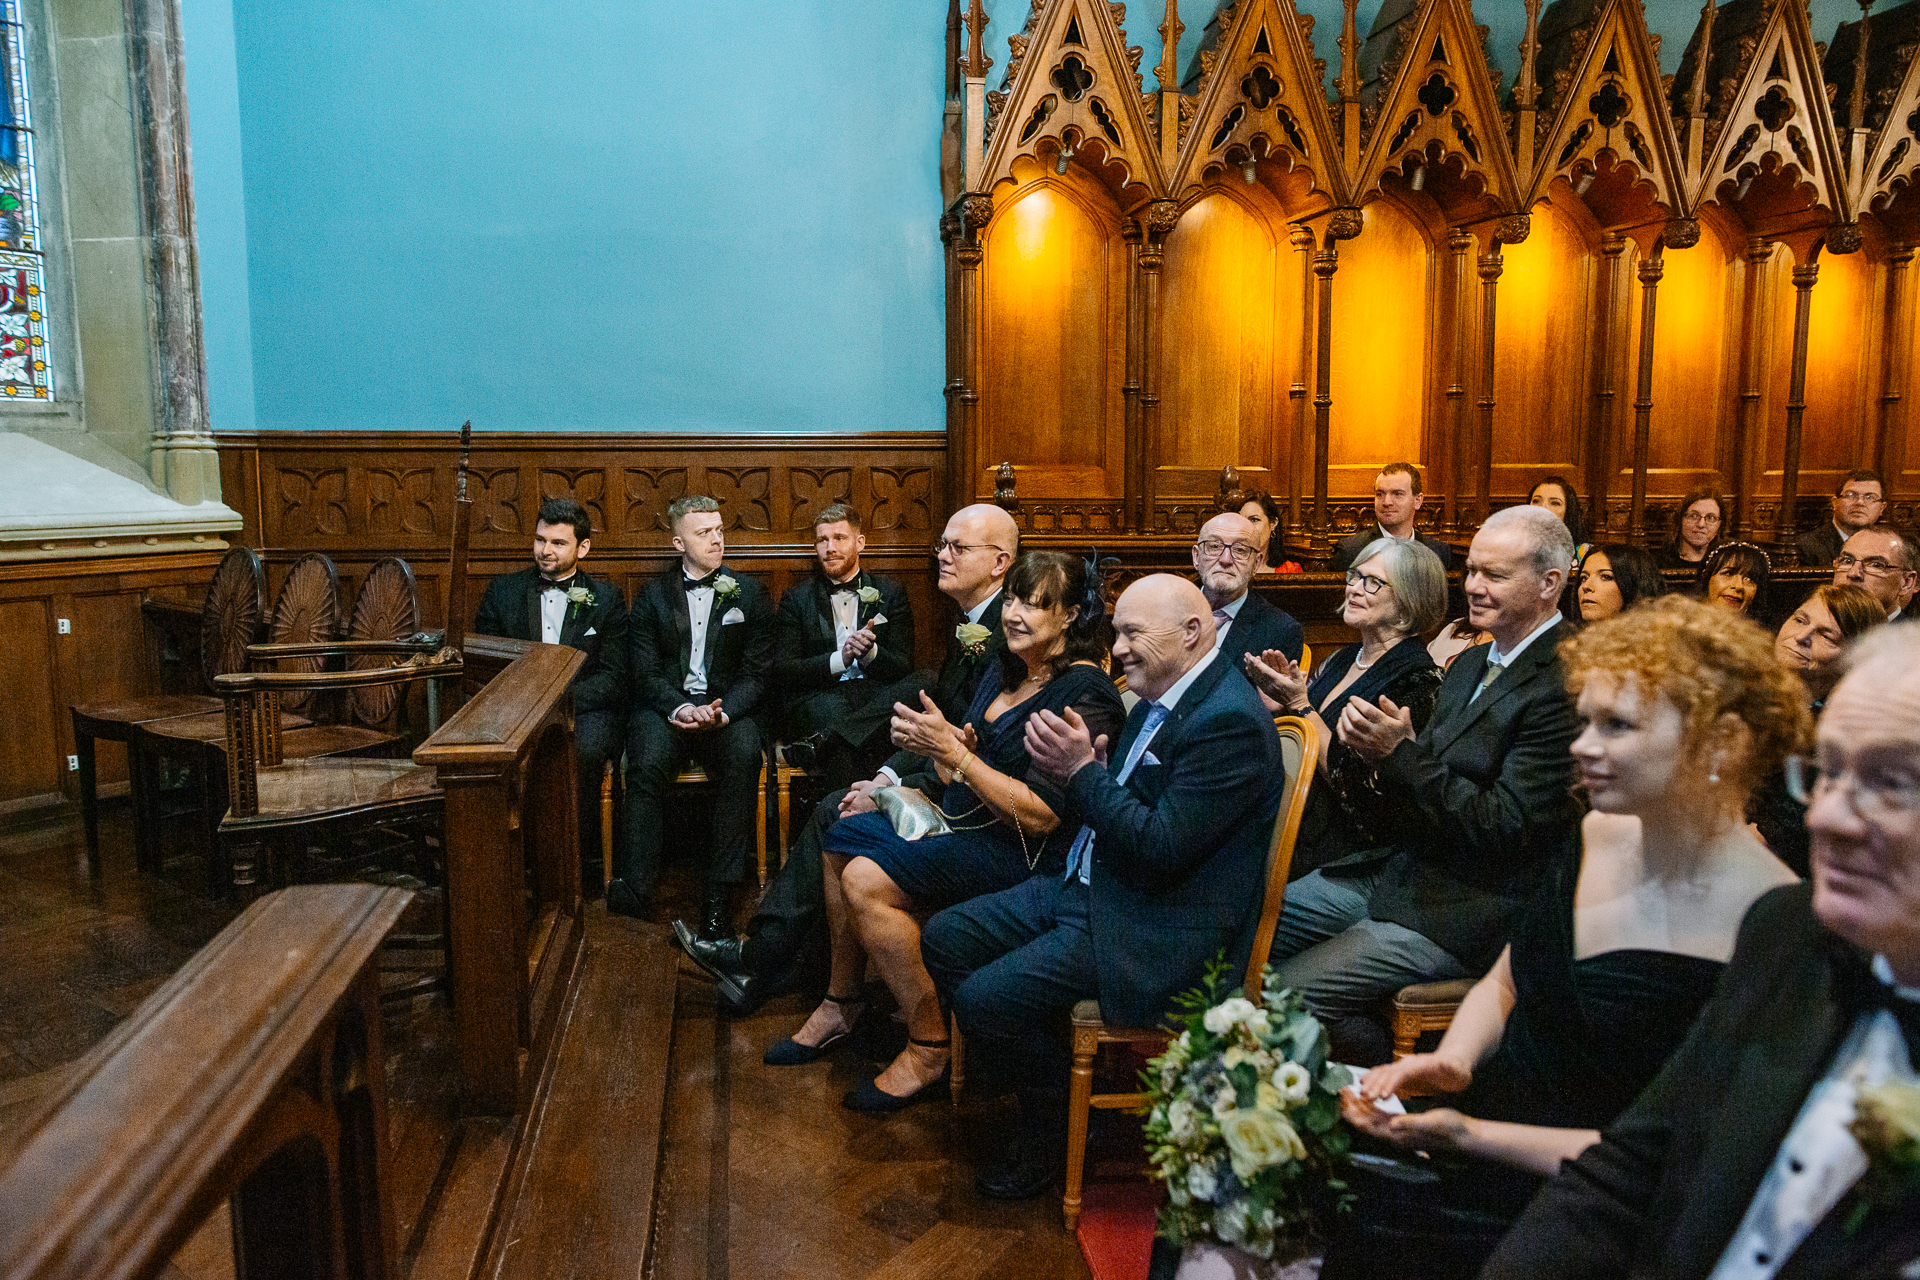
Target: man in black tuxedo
[(1857, 504), (1223, 558), (1166, 871), (557, 602), (1746, 1156), (843, 639), (702, 644), (1468, 801), (786, 939), (1396, 500)]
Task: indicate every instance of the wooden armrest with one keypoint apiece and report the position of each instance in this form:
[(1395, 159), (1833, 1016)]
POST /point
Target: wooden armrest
[(1433, 995), (426, 642), (243, 682)]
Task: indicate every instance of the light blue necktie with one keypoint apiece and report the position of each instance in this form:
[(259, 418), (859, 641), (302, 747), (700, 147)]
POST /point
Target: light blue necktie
[(1080, 857)]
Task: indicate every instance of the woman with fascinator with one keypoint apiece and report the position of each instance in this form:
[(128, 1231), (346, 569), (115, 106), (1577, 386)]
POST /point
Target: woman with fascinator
[(1001, 825)]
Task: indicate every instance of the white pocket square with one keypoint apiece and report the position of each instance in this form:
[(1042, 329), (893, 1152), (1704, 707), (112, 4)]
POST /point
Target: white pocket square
[(1149, 758), (732, 616), (591, 631)]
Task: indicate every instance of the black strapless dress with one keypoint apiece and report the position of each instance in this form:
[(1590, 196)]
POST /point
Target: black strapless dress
[(1584, 1038)]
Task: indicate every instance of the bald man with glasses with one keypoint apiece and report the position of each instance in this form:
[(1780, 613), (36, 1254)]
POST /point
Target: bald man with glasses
[(1881, 561), (1224, 559)]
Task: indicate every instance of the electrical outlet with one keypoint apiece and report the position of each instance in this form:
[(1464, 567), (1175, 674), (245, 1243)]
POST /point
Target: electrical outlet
[(65, 626), (73, 764)]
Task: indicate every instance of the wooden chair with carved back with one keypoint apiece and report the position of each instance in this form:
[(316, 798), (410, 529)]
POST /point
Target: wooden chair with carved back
[(1299, 749), (230, 620)]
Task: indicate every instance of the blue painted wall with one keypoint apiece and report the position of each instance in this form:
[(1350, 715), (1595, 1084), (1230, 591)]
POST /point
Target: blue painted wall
[(527, 213)]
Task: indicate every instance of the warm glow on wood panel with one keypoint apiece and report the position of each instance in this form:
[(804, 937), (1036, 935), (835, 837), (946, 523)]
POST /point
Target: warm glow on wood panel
[(1840, 384), (1545, 306), (1690, 340), (1052, 343), (1380, 308), (1220, 297)]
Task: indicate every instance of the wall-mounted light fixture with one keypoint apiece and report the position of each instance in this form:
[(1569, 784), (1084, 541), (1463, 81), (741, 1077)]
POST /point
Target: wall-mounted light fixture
[(1061, 161), (1250, 171), (1419, 178), (1746, 184), (1585, 184)]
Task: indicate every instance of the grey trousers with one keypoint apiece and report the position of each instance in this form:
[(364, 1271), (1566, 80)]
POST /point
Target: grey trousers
[(1327, 949)]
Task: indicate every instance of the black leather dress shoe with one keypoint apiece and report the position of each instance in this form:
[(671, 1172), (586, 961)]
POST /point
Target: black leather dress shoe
[(720, 959), (714, 924), (803, 753), (622, 900), (1022, 1176)]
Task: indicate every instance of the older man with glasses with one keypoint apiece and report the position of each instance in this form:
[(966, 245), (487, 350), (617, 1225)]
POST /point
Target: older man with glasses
[(1781, 1139), (1857, 504), (1882, 561), (1224, 557)]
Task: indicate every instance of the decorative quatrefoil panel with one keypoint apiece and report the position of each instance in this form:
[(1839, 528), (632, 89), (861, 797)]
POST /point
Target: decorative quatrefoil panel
[(1260, 87), (1436, 95), (1072, 78)]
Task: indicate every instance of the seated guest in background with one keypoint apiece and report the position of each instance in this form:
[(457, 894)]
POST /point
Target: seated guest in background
[(1224, 557), (1004, 820), (1699, 525), (1735, 576), (1810, 644), (1611, 959), (1857, 505), (1397, 591), (785, 944), (842, 638), (702, 644), (1263, 513), (1613, 577), (1164, 870), (1466, 804), (1396, 500), (1556, 494), (1882, 561), (1768, 1145), (557, 602)]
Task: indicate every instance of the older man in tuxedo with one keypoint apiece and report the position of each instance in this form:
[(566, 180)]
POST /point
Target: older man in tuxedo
[(702, 642), (787, 935), (1165, 872), (555, 601), (1468, 801), (1772, 1143), (1223, 559)]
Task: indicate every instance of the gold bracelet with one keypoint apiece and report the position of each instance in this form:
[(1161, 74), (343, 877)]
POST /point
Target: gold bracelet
[(960, 770)]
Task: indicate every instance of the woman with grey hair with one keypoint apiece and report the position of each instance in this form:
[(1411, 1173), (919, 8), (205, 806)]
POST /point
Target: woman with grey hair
[(1396, 590)]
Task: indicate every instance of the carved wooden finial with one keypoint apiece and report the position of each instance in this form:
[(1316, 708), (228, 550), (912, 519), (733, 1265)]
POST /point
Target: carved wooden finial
[(1349, 54), (1857, 103), (1527, 91), (1229, 488), (1697, 93), (977, 59), (1003, 495), (1169, 69)]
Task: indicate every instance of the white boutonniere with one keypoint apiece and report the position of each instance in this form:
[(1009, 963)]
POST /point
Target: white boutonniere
[(1886, 1124), (725, 588), (973, 637), (579, 595), (869, 595)]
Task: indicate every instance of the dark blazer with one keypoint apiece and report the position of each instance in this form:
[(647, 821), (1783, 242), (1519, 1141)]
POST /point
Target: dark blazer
[(953, 689), (510, 607), (1669, 1182), (739, 653), (1354, 543), (1469, 800), (804, 646), (1261, 626), (1180, 850), (1818, 547)]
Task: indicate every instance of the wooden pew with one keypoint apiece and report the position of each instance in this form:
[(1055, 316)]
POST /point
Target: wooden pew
[(257, 1074)]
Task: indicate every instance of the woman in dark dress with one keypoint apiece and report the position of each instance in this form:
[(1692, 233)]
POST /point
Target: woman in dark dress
[(1684, 710), (1395, 591), (1003, 822)]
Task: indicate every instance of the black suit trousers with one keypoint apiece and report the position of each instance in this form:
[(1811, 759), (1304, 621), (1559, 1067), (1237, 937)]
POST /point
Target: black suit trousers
[(787, 936), (1011, 965), (597, 737), (656, 751)]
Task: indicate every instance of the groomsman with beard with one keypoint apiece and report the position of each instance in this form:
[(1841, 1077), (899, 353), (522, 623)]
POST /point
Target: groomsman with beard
[(843, 638), (786, 938), (702, 643), (557, 602)]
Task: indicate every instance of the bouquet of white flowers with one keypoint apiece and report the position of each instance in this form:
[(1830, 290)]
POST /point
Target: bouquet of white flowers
[(1245, 1126)]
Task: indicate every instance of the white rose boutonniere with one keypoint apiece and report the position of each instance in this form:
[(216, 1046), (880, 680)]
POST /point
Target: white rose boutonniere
[(725, 587), (869, 595), (973, 638), (1886, 1124), (579, 595)]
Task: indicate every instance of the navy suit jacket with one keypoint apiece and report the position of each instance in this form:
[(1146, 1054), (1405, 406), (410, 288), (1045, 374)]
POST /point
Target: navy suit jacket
[(1180, 850), (1261, 626)]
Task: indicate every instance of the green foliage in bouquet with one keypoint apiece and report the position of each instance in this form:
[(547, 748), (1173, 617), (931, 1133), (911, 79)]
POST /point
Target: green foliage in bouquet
[(1244, 1119)]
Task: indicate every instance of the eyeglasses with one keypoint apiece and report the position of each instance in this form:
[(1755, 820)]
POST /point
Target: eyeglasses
[(1701, 517), (1878, 792), (961, 548), (1368, 583), (1872, 566), (1210, 548), (1857, 495)]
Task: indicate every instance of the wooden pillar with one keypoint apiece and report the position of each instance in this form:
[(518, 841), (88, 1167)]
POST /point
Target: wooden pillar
[(1345, 224), (961, 229), (1134, 477), (1746, 424), (1161, 218), (1652, 267), (1804, 278), (1301, 238), (1601, 424), (1890, 445), (1460, 245), (1509, 230)]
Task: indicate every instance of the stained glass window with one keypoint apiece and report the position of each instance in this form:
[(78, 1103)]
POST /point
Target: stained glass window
[(24, 370)]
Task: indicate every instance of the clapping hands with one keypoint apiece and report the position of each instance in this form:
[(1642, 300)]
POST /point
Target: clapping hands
[(1280, 681)]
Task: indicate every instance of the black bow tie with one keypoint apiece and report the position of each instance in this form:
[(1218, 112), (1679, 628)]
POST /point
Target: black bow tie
[(564, 584), (694, 584), (844, 589), (1860, 989)]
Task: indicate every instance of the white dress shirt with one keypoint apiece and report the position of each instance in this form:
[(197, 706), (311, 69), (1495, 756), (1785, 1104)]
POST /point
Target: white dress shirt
[(1495, 658), (553, 612), (843, 600), (699, 613)]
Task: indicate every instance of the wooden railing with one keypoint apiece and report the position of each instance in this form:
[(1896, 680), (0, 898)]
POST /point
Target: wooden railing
[(505, 763), (255, 1074)]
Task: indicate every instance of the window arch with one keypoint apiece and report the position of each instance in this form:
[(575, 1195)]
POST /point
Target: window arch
[(25, 368)]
